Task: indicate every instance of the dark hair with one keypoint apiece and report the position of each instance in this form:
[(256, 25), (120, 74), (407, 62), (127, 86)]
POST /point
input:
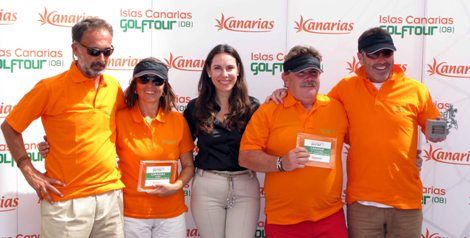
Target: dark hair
[(206, 105), (167, 100), (89, 23)]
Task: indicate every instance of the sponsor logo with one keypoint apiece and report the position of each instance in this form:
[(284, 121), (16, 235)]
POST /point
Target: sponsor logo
[(322, 27), (448, 70), (261, 192), (28, 235), (429, 234), (260, 233), (181, 63), (186, 190), (355, 65), (267, 63), (5, 109), (8, 203), (182, 102), (121, 63), (29, 59), (31, 148), (192, 232), (433, 195), (238, 25), (412, 25), (149, 19), (447, 157), (7, 17), (55, 18)]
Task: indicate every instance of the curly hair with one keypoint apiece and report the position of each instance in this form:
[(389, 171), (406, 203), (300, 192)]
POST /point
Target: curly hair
[(206, 105)]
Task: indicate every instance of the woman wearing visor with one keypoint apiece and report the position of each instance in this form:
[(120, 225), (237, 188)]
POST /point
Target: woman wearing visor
[(148, 129)]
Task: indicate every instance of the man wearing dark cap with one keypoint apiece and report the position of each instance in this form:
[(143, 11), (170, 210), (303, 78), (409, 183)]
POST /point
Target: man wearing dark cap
[(384, 109), (301, 200), (81, 188)]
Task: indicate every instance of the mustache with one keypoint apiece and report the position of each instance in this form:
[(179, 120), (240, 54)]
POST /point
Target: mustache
[(100, 64), (308, 84)]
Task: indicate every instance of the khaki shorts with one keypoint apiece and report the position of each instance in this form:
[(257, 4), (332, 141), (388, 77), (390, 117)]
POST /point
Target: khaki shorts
[(93, 216), (369, 221)]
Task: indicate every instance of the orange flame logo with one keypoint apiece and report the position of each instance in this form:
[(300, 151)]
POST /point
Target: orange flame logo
[(254, 26), (315, 27), (180, 63), (446, 70), (62, 20)]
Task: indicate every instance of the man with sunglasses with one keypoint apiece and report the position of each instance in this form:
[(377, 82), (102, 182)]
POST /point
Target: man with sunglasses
[(81, 188), (384, 109)]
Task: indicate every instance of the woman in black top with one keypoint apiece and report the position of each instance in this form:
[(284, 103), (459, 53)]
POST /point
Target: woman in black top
[(225, 196)]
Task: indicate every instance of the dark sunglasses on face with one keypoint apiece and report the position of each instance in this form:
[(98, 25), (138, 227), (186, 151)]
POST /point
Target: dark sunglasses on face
[(96, 52), (156, 81), (385, 53)]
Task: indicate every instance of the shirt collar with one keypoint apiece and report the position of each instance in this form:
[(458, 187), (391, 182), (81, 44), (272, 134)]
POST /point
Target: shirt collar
[(290, 101), (137, 116), (78, 77)]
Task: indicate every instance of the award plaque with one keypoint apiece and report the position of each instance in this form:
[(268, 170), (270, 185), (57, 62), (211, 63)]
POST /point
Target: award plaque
[(322, 149), (436, 129), (153, 172)]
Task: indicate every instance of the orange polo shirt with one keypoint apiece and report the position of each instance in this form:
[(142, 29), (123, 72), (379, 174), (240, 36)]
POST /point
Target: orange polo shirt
[(166, 138), (79, 122), (383, 134), (310, 193)]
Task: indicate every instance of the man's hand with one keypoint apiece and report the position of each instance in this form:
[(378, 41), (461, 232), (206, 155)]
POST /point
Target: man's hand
[(44, 147), (165, 190), (41, 183), (295, 159), (277, 96)]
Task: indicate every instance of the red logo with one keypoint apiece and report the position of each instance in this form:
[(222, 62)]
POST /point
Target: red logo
[(447, 157), (428, 234), (7, 18), (447, 70), (5, 109), (8, 204), (183, 64), (232, 24), (353, 65), (63, 20), (122, 63), (315, 27)]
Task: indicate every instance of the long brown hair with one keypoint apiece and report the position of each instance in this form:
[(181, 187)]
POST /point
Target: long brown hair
[(206, 105)]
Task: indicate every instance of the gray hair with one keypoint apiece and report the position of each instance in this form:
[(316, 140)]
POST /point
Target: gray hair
[(93, 23)]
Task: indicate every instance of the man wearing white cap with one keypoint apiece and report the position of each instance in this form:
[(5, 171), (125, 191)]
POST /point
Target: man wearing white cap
[(384, 109)]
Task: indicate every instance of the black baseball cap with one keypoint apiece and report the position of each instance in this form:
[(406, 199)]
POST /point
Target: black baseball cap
[(150, 66), (379, 40)]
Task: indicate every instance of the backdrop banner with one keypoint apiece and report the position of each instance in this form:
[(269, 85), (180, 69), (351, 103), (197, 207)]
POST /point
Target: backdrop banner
[(432, 40)]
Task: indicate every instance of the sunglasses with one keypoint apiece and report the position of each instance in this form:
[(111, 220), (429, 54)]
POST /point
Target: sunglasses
[(156, 81), (96, 52), (385, 53)]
